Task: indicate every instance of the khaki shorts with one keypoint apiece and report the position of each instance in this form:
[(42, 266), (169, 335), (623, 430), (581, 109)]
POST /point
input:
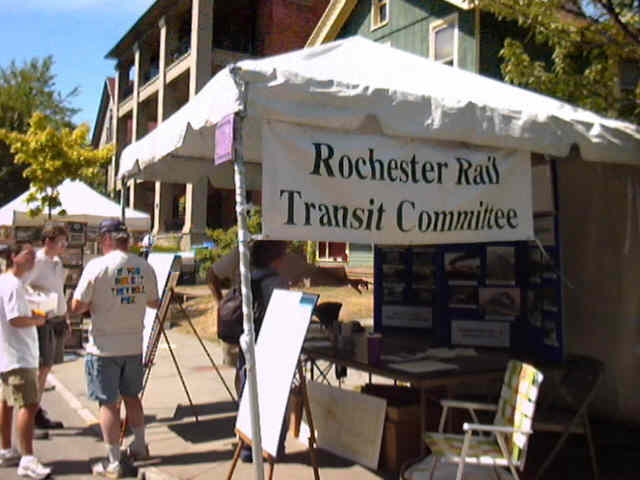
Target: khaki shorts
[(20, 387)]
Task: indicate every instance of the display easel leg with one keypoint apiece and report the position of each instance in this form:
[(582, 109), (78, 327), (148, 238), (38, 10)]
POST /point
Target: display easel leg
[(270, 469), (184, 385), (204, 347), (236, 456), (307, 409), (312, 437)]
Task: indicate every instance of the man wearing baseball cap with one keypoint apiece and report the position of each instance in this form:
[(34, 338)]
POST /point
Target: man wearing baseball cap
[(115, 289)]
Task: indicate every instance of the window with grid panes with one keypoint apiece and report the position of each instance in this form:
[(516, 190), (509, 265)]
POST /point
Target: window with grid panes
[(443, 41)]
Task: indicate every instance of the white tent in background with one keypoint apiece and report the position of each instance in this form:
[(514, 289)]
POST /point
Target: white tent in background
[(82, 204)]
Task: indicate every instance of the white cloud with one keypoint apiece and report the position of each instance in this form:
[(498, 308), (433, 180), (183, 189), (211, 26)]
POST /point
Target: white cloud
[(77, 5)]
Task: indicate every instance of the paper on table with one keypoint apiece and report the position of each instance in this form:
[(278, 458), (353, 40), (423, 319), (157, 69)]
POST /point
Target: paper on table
[(451, 352), (423, 366), (318, 343)]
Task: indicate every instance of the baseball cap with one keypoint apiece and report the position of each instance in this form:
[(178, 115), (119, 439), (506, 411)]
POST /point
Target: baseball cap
[(115, 227)]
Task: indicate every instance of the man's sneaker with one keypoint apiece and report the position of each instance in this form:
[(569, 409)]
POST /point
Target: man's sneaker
[(43, 421), (135, 455), (9, 457), (105, 469), (32, 468)]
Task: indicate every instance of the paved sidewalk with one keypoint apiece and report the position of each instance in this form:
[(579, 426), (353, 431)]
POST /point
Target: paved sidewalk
[(182, 448)]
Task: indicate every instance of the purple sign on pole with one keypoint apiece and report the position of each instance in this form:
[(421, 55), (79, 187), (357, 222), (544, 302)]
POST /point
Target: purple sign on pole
[(224, 140)]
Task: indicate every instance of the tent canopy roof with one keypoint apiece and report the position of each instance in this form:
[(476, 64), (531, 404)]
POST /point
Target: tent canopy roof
[(341, 84), (82, 204)]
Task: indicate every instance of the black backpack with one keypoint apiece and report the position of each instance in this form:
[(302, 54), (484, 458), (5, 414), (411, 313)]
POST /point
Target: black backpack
[(230, 315)]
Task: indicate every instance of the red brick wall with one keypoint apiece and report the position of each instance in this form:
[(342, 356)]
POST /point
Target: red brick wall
[(285, 25)]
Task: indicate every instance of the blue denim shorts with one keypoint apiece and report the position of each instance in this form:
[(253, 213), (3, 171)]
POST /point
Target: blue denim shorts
[(109, 378)]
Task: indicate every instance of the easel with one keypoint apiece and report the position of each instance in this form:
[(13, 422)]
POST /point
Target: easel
[(244, 439), (171, 298), (161, 315)]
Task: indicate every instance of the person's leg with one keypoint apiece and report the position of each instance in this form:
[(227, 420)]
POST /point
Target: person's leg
[(46, 345), (130, 388), (9, 456), (25, 424), (103, 375), (6, 423), (26, 397)]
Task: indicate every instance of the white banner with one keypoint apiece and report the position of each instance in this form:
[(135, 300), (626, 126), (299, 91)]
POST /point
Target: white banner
[(331, 186)]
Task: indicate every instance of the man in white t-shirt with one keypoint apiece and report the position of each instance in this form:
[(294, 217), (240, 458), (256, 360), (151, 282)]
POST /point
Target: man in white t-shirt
[(19, 365), (48, 276), (116, 288)]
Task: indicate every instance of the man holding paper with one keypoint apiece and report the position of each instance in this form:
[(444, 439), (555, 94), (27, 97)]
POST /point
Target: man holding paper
[(47, 277), (19, 365)]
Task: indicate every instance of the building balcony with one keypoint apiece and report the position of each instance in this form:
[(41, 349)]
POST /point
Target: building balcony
[(125, 106), (178, 67), (148, 89)]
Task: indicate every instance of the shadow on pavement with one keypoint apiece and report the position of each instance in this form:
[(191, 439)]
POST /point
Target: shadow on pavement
[(198, 457), (204, 409), (205, 430)]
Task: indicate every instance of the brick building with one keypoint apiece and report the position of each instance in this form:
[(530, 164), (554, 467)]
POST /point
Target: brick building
[(164, 59)]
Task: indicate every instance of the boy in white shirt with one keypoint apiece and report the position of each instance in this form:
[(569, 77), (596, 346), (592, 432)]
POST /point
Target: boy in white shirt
[(48, 276), (19, 365)]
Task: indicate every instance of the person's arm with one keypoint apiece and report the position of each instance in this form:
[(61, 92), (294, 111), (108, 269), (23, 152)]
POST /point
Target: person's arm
[(214, 284), (78, 307), (358, 283), (154, 303), (23, 322)]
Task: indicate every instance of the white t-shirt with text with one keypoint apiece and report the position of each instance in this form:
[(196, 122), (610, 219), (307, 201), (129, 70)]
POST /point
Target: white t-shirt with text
[(118, 287), (18, 345)]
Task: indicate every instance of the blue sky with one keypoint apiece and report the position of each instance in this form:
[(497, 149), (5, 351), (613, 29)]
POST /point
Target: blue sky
[(78, 33)]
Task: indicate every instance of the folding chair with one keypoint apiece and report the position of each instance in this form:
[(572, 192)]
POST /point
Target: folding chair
[(502, 444), (567, 409)]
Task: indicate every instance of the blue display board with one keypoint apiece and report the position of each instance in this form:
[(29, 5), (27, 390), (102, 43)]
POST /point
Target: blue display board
[(497, 295)]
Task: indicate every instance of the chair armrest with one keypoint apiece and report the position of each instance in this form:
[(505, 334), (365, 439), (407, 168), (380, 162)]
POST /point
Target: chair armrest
[(452, 403), (493, 428)]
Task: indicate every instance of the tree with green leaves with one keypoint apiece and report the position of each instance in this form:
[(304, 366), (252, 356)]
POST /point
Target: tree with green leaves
[(24, 90), (595, 62), (52, 155)]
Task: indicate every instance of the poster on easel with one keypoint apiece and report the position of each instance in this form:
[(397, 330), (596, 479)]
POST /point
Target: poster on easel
[(277, 353), (163, 264)]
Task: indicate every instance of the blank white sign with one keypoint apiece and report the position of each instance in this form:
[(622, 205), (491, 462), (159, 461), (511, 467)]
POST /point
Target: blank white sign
[(277, 350)]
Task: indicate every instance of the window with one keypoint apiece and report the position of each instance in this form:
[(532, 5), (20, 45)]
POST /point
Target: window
[(443, 41), (379, 13), (332, 251)]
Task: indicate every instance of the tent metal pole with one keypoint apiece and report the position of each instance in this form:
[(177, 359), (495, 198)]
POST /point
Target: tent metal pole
[(123, 189), (247, 340)]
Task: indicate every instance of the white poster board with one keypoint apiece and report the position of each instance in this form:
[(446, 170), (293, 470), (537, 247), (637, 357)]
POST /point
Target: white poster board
[(161, 264), (325, 185), (277, 350), (347, 423)]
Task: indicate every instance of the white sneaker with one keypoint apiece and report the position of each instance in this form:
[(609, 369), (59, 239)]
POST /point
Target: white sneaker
[(31, 467), (105, 469), (9, 457)]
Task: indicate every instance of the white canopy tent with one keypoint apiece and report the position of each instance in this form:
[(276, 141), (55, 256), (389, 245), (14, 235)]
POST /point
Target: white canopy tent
[(343, 86), (340, 84), (82, 204)]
